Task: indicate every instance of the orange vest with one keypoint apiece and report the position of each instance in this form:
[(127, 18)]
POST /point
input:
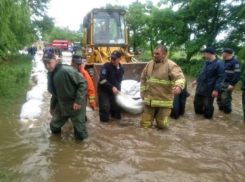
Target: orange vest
[(91, 91)]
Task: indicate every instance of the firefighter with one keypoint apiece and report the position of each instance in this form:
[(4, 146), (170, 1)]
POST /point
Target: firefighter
[(160, 80), (208, 83), (232, 75), (77, 63), (109, 84), (68, 88)]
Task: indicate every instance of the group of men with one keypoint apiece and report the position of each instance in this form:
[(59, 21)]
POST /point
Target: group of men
[(32, 50), (162, 80), (216, 80), (52, 49)]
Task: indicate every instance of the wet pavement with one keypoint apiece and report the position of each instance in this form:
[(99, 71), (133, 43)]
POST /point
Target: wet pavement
[(193, 149)]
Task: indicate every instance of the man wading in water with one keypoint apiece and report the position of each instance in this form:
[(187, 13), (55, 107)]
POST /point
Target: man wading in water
[(68, 88)]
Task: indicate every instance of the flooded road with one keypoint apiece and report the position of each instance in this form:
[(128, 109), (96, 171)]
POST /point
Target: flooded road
[(193, 149)]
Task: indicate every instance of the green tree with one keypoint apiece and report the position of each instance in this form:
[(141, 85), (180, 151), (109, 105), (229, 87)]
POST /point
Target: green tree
[(44, 26), (38, 7), (137, 18), (236, 35), (16, 28), (203, 20)]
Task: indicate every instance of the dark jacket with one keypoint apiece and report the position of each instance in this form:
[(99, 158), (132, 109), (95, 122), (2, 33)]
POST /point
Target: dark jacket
[(110, 77), (243, 84), (232, 71), (67, 87), (211, 77)]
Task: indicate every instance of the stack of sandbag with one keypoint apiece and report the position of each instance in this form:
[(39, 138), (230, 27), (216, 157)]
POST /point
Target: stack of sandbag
[(31, 109)]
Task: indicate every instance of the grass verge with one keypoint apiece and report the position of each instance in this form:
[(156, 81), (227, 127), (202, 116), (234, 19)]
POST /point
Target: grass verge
[(14, 75)]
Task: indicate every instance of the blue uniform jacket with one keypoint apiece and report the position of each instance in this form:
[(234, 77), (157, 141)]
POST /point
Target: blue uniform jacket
[(110, 77), (232, 71), (211, 77)]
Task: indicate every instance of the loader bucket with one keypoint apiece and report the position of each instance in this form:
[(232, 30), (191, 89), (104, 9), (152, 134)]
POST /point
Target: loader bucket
[(131, 71)]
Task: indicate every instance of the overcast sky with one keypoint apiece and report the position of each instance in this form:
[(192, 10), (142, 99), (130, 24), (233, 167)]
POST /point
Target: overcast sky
[(71, 12)]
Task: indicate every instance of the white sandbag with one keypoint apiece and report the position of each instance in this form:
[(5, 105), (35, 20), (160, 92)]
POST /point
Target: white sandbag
[(136, 95), (137, 86), (129, 104), (128, 85), (31, 109), (34, 94), (132, 92)]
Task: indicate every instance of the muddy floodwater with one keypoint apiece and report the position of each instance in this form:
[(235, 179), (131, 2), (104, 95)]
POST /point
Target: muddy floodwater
[(193, 149)]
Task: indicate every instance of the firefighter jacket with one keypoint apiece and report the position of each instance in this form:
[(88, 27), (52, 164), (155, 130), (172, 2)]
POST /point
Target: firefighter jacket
[(157, 82), (110, 76), (232, 71), (90, 91), (211, 77), (67, 87)]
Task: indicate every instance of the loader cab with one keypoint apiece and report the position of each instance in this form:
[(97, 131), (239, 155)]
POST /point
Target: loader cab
[(105, 27), (104, 31)]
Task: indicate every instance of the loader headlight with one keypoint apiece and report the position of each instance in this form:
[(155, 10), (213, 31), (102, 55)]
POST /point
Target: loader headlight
[(90, 50), (131, 50)]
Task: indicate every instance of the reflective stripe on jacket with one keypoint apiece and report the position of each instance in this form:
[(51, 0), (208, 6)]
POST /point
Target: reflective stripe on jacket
[(158, 80), (232, 71)]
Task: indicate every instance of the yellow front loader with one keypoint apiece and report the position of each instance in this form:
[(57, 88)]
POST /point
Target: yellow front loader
[(105, 30)]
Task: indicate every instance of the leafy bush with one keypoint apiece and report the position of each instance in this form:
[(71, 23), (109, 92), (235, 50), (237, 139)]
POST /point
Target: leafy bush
[(190, 67)]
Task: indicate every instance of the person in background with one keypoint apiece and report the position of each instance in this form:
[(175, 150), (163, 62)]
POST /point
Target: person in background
[(68, 88), (232, 75), (70, 48), (75, 49), (208, 83), (102, 35), (77, 63), (161, 79), (109, 84), (47, 49)]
